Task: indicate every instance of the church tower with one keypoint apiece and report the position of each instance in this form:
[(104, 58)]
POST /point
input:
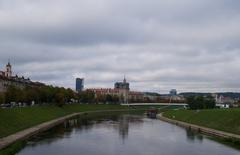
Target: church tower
[(124, 80), (123, 88), (8, 72)]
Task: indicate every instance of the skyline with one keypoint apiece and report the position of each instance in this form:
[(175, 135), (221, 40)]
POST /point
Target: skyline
[(188, 45), (97, 87)]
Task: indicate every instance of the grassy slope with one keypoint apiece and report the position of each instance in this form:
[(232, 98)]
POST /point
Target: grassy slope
[(13, 120), (221, 119), (16, 119)]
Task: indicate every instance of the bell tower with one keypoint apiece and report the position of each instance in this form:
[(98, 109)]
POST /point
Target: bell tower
[(8, 72), (124, 79)]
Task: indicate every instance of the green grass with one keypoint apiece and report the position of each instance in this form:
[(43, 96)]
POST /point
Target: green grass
[(228, 142), (220, 119), (13, 149), (17, 119)]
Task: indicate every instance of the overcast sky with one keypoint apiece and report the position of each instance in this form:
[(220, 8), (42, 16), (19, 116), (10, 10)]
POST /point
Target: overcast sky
[(190, 45)]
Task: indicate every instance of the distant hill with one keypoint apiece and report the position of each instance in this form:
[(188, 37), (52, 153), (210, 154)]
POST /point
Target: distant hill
[(152, 94), (186, 94), (225, 94)]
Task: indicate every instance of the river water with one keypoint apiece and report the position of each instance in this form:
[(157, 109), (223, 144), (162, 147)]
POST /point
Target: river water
[(122, 134)]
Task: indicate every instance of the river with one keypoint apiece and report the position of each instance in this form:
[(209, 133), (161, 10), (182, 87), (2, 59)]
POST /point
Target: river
[(122, 134)]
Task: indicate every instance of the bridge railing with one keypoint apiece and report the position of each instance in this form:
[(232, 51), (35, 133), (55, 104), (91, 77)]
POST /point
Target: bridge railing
[(139, 104)]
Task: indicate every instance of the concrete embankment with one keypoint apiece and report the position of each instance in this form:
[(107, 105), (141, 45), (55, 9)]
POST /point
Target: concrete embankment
[(201, 129), (25, 134)]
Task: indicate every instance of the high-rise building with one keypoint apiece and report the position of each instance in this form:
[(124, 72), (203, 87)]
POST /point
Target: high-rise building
[(173, 92), (79, 84)]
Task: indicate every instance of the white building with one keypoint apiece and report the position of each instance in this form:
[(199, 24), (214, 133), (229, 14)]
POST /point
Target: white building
[(8, 71), (7, 79)]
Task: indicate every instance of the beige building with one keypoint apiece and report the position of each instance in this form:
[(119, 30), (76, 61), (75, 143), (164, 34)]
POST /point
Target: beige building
[(8, 71), (7, 79), (121, 89)]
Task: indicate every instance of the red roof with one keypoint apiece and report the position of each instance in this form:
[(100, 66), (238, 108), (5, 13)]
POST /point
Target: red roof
[(104, 90), (135, 93)]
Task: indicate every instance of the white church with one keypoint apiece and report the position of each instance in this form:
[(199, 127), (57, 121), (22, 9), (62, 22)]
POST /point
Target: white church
[(8, 71)]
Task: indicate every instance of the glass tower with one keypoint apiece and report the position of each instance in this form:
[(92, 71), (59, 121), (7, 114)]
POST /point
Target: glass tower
[(79, 84)]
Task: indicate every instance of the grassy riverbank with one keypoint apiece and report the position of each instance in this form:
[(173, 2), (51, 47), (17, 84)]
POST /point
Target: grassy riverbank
[(13, 149), (17, 119), (227, 120)]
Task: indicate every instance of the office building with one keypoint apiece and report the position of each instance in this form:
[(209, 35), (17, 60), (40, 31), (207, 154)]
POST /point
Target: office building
[(173, 92), (79, 84)]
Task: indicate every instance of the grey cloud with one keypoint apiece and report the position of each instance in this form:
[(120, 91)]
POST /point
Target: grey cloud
[(159, 45)]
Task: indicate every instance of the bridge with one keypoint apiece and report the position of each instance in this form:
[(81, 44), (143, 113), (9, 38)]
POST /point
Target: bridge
[(154, 104)]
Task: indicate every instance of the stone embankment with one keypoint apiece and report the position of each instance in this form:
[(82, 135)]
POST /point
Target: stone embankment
[(201, 129)]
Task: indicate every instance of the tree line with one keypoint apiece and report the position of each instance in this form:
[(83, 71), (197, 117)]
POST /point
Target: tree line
[(53, 95), (201, 102), (38, 95)]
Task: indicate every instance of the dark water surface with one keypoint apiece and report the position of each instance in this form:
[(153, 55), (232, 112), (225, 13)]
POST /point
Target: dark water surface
[(123, 135)]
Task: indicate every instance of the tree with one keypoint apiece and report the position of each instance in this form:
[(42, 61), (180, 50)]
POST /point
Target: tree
[(100, 98), (210, 102), (115, 99), (12, 94), (200, 102), (60, 99), (86, 96), (42, 94), (109, 98), (2, 98), (31, 94)]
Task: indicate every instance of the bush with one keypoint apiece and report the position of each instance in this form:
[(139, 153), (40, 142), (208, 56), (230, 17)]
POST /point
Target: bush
[(2, 98), (43, 94), (201, 102)]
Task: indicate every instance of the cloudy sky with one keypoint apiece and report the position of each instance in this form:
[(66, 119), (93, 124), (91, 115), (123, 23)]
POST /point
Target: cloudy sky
[(190, 45)]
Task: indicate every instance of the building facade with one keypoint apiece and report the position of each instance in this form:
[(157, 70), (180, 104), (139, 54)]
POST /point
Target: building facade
[(220, 99), (79, 84), (121, 89), (135, 96), (173, 92), (8, 71), (122, 85), (7, 79)]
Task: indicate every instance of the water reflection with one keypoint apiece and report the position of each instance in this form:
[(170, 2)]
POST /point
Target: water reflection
[(120, 135), (123, 127), (193, 136), (80, 125)]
